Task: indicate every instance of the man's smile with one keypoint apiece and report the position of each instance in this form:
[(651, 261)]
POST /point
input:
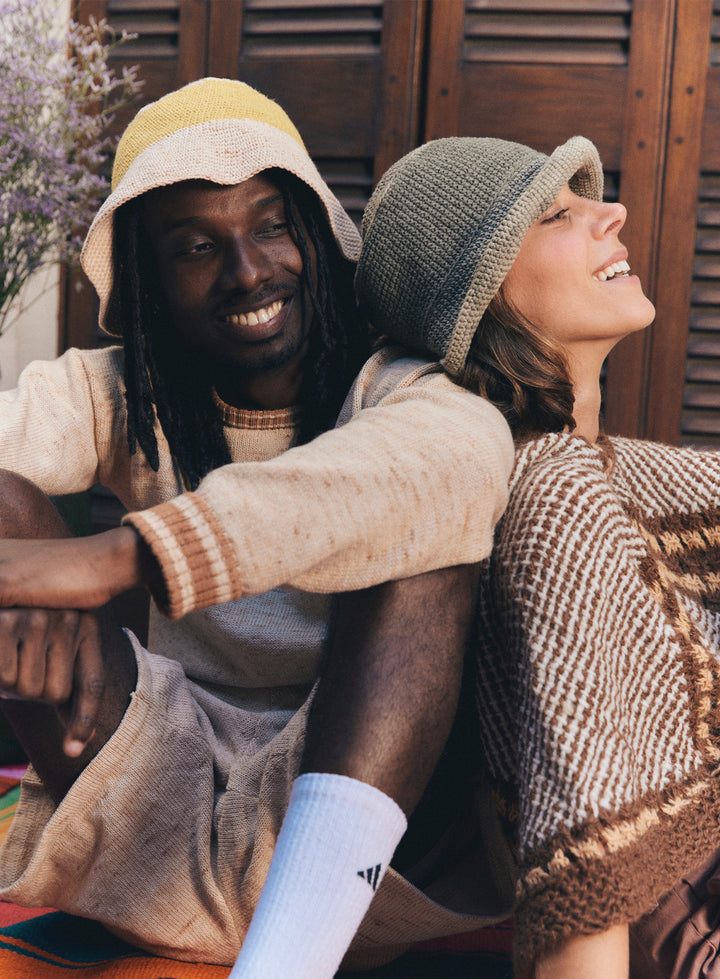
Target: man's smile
[(258, 316)]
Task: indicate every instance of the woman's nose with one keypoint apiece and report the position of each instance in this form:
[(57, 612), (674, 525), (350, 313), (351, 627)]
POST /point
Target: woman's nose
[(609, 218)]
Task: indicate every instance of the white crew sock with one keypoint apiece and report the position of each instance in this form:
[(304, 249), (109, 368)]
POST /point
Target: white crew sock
[(335, 843)]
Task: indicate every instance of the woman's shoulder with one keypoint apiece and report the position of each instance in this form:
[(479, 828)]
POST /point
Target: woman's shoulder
[(649, 478), (559, 456), (664, 479), (560, 487)]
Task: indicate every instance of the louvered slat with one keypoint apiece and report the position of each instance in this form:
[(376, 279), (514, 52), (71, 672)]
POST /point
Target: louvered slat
[(156, 25), (523, 31), (351, 181), (301, 27), (715, 34), (701, 395)]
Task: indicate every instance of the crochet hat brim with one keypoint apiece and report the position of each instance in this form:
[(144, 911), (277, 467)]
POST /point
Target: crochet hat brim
[(225, 151)]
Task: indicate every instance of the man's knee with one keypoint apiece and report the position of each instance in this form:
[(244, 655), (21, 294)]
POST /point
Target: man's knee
[(26, 511)]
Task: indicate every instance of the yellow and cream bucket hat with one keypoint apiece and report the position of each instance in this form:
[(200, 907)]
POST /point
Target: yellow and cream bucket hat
[(213, 129)]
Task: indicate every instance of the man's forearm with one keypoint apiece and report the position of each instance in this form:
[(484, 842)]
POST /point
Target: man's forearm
[(82, 572)]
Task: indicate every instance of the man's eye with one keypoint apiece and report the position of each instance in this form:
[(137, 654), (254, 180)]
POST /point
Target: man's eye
[(191, 249), (278, 227)]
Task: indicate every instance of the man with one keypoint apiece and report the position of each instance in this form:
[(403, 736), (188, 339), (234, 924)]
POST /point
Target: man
[(223, 259)]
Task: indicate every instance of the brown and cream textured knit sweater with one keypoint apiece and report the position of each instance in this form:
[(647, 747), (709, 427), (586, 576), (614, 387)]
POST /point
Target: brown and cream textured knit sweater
[(599, 678)]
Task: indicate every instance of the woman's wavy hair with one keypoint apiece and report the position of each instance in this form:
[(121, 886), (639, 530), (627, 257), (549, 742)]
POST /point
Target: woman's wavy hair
[(163, 379), (515, 367)]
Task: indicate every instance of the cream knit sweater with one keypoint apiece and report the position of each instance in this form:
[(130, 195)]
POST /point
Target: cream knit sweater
[(201, 767), (415, 481), (298, 520)]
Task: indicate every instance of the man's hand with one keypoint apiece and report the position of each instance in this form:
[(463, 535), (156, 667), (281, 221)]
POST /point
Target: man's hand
[(54, 657), (82, 573)]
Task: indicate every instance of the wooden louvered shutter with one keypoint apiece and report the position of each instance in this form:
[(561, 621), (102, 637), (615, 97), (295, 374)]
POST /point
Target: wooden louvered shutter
[(347, 73), (700, 422), (696, 409)]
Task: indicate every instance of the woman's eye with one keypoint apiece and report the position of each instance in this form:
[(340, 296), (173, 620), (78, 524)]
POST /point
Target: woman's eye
[(557, 216)]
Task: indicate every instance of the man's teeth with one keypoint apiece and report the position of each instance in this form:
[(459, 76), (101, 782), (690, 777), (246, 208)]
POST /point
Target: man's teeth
[(610, 271), (258, 316)]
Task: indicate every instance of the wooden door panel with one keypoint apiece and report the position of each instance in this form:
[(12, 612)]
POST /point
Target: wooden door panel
[(522, 67), (495, 102), (348, 73), (644, 124), (711, 120), (334, 108), (678, 209)]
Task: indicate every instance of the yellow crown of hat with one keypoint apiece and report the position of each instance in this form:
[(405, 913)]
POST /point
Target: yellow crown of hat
[(206, 100)]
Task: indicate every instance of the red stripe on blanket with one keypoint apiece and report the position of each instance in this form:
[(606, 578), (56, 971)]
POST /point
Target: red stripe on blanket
[(10, 914)]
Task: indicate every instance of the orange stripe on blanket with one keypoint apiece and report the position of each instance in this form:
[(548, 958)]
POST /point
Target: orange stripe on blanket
[(19, 965)]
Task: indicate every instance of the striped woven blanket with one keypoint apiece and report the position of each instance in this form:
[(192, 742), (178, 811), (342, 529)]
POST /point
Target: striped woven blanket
[(40, 943)]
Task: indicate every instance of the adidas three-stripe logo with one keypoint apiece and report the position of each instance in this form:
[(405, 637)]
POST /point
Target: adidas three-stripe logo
[(371, 875)]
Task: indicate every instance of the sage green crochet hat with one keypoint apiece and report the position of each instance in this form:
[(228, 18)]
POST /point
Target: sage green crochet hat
[(443, 227), (215, 129)]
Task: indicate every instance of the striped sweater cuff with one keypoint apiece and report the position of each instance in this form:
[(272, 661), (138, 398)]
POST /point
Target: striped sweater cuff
[(198, 564)]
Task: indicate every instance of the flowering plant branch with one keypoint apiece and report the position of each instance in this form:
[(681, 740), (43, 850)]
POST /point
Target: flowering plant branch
[(57, 98)]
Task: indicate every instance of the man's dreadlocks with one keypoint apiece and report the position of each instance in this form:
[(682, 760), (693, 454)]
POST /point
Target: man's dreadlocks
[(162, 378)]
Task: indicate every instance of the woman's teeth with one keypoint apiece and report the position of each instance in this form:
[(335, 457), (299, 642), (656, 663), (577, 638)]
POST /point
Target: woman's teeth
[(610, 271), (257, 316)]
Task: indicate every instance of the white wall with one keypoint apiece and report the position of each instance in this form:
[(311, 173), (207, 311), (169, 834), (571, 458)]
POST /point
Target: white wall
[(34, 334)]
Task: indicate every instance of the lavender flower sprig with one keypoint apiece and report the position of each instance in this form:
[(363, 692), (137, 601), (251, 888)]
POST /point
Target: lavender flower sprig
[(57, 98)]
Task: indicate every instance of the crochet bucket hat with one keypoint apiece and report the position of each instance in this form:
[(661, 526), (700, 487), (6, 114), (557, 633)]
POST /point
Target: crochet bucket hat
[(443, 227), (213, 129)]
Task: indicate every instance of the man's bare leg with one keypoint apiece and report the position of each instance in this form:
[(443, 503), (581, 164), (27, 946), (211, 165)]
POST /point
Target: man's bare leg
[(106, 672), (389, 690), (383, 711)]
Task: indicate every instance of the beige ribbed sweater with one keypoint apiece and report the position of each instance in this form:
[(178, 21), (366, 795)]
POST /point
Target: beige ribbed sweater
[(415, 481)]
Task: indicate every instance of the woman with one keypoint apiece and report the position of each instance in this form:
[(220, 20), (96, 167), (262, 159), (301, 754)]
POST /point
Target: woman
[(599, 632)]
